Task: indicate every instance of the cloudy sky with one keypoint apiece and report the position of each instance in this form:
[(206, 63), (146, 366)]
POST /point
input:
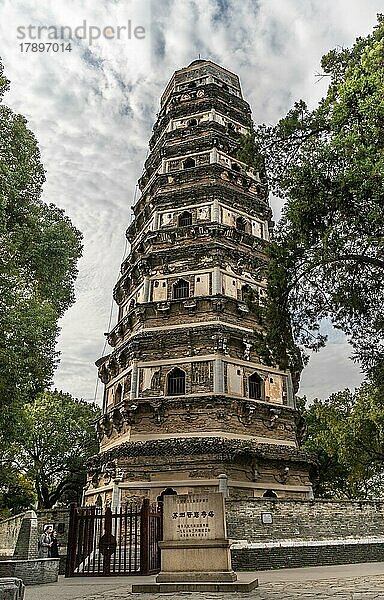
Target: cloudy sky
[(92, 110)]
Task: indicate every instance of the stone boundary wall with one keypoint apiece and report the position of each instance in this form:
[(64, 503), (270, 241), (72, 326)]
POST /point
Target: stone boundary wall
[(301, 532), (19, 536), (9, 533), (32, 572), (249, 519), (276, 534), (280, 557)]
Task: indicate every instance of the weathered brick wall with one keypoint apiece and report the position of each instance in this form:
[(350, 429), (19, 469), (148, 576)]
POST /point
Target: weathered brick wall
[(32, 572), (27, 540), (19, 535), (262, 559), (9, 532), (59, 518), (303, 519), (304, 533)]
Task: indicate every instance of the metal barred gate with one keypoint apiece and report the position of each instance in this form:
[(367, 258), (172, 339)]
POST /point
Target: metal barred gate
[(120, 542)]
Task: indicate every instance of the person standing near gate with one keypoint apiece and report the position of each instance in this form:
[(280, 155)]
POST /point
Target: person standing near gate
[(55, 545), (45, 542)]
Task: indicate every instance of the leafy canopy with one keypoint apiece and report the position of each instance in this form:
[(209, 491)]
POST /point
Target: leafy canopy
[(39, 249), (56, 437), (328, 164), (346, 433)]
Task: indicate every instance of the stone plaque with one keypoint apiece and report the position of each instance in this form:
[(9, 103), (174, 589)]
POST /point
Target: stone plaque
[(194, 517), (266, 518)]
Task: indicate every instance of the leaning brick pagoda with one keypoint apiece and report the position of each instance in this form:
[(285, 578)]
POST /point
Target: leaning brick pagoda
[(187, 397)]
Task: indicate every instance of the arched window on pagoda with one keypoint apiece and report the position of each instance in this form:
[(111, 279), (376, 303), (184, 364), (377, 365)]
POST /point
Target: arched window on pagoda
[(189, 163), (236, 167), (246, 292), (241, 223), (181, 289), (176, 382), (269, 494), (166, 492), (255, 385), (185, 219), (192, 122), (118, 394)]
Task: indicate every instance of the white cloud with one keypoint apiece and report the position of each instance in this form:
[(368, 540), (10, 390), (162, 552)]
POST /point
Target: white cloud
[(92, 111)]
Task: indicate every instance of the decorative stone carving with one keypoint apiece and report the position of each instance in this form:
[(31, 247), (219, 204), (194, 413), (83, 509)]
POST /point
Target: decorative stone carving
[(163, 307), (158, 412), (155, 381), (129, 412), (274, 414), (109, 471), (223, 415), (117, 420), (201, 372), (247, 349), (246, 414), (220, 344), (100, 430), (123, 358), (107, 425), (218, 304), (283, 475), (103, 374), (191, 304), (188, 416)]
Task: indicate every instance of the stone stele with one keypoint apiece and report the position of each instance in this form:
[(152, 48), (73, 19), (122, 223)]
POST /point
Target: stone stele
[(195, 545)]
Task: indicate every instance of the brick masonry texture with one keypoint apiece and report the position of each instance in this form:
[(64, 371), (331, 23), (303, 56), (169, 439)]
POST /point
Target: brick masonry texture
[(32, 572), (295, 523), (262, 559), (307, 522), (303, 519), (9, 532)]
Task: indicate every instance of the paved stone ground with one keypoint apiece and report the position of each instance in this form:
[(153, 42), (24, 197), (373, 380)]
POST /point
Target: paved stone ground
[(344, 582)]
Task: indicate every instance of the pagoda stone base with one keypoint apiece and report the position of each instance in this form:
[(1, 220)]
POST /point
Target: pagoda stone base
[(185, 576), (244, 585), (193, 465)]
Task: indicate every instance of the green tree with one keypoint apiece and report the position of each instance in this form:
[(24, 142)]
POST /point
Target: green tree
[(56, 437), (327, 258), (17, 492), (39, 249), (346, 433), (274, 341)]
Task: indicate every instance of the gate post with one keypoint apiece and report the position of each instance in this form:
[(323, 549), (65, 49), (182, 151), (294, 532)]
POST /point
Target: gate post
[(107, 535), (72, 541), (144, 537)]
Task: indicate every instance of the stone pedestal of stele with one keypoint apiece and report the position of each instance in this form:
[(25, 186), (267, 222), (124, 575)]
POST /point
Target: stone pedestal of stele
[(195, 543), (195, 554)]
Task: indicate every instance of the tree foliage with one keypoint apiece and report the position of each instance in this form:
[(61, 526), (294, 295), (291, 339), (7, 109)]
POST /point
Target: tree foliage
[(328, 164), (39, 248), (274, 342), (17, 492), (56, 437), (346, 433)]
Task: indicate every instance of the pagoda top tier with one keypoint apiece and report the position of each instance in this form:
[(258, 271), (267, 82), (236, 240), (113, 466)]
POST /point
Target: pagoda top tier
[(201, 72)]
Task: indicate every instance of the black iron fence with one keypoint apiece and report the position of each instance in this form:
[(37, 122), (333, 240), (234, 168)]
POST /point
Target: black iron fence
[(120, 542)]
